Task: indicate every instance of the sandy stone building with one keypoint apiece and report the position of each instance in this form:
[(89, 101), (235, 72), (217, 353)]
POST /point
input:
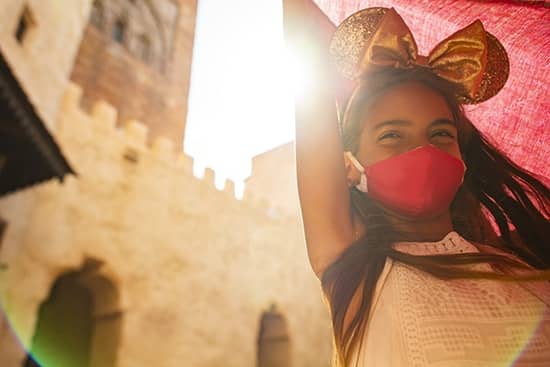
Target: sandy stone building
[(279, 191), (134, 261)]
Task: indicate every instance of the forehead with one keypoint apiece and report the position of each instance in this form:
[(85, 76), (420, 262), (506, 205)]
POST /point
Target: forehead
[(410, 101)]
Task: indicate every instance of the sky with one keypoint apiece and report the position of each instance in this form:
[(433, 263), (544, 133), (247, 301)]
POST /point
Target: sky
[(243, 83)]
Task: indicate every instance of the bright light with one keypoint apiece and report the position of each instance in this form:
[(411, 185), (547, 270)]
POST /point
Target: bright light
[(297, 73), (243, 86)]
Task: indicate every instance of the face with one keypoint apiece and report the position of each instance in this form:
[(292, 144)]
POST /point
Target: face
[(403, 118)]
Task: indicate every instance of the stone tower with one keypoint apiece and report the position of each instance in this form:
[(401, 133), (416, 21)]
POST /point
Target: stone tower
[(136, 55)]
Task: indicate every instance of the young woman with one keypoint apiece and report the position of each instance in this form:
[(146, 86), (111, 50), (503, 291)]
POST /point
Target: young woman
[(399, 208)]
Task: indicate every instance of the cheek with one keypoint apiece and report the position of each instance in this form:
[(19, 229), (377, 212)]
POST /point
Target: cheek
[(454, 150), (369, 152)]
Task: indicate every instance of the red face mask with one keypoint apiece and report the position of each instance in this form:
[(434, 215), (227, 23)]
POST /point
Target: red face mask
[(417, 183)]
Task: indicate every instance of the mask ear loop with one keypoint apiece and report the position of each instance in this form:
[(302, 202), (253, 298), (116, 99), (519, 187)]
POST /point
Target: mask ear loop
[(339, 117), (362, 185), (355, 162)]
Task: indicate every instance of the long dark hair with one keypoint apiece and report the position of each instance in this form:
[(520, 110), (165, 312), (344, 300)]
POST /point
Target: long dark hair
[(494, 188)]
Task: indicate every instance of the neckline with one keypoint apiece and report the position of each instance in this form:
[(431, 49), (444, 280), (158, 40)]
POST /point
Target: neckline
[(452, 235), (451, 243)]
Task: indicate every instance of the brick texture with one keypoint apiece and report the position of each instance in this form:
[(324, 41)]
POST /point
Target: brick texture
[(153, 92)]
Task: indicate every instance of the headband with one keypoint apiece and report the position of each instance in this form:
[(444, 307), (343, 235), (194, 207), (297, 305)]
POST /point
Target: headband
[(375, 39)]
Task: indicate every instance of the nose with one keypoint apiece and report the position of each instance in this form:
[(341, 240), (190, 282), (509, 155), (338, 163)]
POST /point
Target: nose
[(418, 140)]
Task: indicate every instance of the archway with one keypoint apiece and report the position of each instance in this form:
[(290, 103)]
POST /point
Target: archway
[(273, 340), (79, 323), (64, 328)]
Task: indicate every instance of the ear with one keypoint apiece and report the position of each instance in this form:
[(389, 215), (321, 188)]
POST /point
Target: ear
[(353, 176)]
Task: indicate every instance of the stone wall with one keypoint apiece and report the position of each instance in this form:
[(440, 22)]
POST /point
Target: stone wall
[(273, 178), (44, 56), (193, 267)]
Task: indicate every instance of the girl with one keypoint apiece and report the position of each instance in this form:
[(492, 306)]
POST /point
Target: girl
[(397, 208)]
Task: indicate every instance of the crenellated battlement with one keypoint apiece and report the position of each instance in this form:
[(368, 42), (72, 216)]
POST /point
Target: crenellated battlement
[(135, 212), (80, 131)]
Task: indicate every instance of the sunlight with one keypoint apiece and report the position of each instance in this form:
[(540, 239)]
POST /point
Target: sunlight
[(244, 82), (298, 76)]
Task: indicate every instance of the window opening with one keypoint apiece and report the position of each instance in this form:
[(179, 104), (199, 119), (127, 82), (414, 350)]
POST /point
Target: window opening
[(25, 25), (97, 16), (119, 31)]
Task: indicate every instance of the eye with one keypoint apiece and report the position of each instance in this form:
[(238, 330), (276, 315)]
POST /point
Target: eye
[(442, 133), (389, 135)]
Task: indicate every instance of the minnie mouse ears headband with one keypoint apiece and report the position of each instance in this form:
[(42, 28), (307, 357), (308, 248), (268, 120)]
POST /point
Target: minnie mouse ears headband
[(375, 39)]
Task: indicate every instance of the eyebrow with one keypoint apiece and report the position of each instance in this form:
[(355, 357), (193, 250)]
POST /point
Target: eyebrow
[(437, 122), (443, 121)]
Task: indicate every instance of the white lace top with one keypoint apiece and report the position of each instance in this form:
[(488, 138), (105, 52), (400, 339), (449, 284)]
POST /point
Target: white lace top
[(419, 320)]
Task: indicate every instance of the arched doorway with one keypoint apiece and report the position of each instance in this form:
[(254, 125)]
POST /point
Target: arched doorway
[(79, 323), (273, 340), (64, 329)]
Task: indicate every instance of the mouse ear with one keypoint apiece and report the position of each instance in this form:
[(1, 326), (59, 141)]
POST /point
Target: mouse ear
[(351, 36), (495, 75)]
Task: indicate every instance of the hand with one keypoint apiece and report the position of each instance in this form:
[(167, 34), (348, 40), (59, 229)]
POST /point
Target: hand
[(308, 32)]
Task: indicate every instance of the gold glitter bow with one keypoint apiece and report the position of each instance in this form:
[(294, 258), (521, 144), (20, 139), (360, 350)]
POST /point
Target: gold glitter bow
[(377, 38)]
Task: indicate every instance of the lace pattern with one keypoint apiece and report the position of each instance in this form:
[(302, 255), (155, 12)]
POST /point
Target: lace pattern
[(458, 322)]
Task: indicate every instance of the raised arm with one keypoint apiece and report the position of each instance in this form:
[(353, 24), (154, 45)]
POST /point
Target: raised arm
[(322, 184)]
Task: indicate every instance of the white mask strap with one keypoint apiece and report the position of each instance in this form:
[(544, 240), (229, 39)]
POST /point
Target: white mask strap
[(355, 162), (362, 185)]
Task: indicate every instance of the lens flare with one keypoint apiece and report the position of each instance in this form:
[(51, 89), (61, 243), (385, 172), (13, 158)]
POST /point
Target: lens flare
[(298, 75)]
